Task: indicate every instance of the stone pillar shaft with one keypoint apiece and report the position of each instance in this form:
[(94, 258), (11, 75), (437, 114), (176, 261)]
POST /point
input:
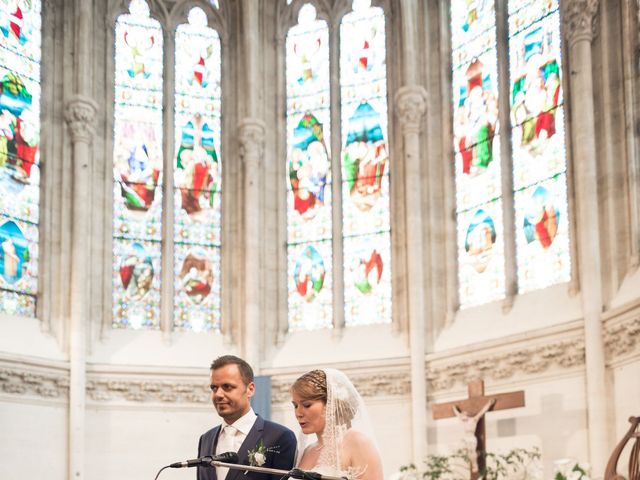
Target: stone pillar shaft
[(337, 208), (409, 11), (251, 134), (80, 116), (411, 102), (579, 18), (168, 227), (251, 44), (80, 113)]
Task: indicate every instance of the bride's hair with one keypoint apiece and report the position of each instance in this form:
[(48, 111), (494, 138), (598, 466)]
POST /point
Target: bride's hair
[(313, 386)]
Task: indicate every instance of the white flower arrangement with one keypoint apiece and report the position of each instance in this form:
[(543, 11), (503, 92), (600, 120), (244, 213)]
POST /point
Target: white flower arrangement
[(568, 469)]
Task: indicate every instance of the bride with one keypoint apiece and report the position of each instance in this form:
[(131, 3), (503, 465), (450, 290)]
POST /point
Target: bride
[(337, 437)]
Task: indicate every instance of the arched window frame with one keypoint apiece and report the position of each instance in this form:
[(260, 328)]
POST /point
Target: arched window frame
[(170, 16), (333, 14)]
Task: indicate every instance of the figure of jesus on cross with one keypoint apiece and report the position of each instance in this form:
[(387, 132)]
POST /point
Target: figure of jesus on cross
[(471, 413), (469, 424)]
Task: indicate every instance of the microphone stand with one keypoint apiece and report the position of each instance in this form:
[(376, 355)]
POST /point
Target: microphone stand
[(285, 473)]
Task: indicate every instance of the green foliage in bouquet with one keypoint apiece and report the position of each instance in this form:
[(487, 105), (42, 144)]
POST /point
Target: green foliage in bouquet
[(518, 463)]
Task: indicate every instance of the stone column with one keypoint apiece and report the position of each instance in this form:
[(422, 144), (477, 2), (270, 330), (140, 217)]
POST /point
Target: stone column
[(168, 228), (578, 17), (251, 46), (80, 114), (411, 104), (409, 13), (337, 207), (251, 135)]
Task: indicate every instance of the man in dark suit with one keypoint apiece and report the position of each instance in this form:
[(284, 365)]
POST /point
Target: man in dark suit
[(257, 441)]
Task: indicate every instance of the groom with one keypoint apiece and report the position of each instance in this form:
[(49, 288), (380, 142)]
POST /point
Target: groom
[(258, 442)]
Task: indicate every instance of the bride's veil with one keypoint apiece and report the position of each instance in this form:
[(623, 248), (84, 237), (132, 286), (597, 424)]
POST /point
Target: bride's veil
[(345, 412)]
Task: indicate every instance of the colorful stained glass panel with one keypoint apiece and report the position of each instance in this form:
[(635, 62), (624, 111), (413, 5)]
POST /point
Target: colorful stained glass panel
[(137, 277), (477, 152), (470, 20), (309, 284), (365, 166), (536, 98), (137, 169), (20, 55), (542, 234), (481, 254), (308, 173), (367, 279), (476, 139), (197, 175), (538, 139)]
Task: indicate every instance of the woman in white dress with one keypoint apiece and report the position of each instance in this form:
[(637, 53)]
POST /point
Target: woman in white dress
[(337, 435)]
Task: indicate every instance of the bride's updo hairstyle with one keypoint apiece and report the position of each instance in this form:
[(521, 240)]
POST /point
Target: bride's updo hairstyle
[(313, 386)]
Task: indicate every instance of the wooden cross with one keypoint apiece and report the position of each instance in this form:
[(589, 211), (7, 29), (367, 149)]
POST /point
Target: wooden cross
[(474, 405)]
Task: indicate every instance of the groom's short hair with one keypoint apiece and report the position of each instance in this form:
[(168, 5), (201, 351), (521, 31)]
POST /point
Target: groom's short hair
[(246, 372)]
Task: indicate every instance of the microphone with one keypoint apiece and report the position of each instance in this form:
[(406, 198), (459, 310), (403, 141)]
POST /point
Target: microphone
[(226, 457)]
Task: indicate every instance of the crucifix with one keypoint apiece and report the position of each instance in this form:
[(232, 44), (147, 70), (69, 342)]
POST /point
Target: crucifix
[(471, 412)]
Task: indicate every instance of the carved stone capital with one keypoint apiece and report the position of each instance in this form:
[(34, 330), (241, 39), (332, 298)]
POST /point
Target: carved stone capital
[(411, 105), (579, 19), (80, 115), (251, 135)]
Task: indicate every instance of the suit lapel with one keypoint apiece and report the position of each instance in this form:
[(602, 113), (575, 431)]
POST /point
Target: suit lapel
[(216, 434), (249, 444)]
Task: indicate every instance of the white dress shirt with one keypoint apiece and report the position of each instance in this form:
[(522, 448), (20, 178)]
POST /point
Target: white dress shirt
[(232, 436)]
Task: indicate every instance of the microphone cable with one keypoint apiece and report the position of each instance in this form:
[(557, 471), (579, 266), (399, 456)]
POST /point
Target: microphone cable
[(158, 474)]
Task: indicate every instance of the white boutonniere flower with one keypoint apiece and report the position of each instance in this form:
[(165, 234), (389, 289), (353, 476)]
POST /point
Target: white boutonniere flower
[(258, 455)]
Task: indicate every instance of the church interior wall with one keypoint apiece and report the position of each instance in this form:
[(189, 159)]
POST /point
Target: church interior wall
[(134, 441), (381, 344), (531, 311), (157, 349), (33, 433), (25, 337)]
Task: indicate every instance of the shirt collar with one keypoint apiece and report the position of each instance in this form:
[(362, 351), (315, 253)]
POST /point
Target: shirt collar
[(245, 423)]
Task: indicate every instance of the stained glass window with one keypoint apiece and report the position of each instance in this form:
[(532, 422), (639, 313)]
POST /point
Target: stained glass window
[(538, 157), (476, 128), (309, 225), (197, 175), (365, 166), (20, 51), (137, 169), (364, 170), (537, 135)]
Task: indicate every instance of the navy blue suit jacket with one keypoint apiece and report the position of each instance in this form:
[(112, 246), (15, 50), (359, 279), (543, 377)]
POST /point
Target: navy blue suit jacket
[(275, 436)]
